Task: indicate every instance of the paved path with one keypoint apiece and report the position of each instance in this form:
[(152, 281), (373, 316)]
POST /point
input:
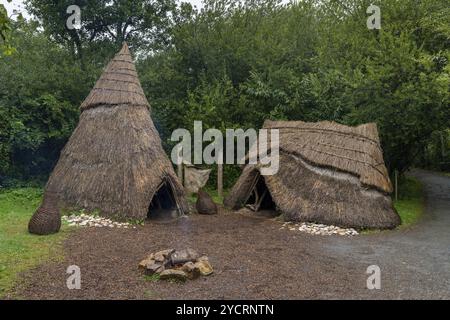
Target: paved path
[(415, 263)]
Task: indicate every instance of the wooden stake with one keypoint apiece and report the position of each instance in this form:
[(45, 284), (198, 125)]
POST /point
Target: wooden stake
[(258, 205), (180, 173), (220, 180), (396, 184), (180, 167), (220, 174)]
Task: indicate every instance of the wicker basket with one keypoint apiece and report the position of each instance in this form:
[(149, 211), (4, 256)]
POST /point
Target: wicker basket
[(205, 204), (47, 218)]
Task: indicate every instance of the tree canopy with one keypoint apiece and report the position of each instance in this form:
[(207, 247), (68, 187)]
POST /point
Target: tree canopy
[(105, 24), (234, 64)]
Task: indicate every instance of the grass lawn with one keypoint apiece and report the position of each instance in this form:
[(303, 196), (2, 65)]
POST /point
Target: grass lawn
[(20, 250), (410, 202)]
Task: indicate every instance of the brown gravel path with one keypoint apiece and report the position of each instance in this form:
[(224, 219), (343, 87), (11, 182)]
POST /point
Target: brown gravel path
[(254, 259)]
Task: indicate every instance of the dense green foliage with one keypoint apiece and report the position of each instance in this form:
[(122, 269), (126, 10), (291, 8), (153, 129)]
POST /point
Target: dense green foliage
[(235, 64), (5, 30), (41, 88)]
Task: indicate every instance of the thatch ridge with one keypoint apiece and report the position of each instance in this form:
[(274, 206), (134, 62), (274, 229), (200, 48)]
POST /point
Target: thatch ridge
[(355, 150), (366, 131)]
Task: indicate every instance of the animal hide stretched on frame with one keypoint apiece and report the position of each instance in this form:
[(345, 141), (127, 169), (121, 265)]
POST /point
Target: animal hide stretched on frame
[(195, 179)]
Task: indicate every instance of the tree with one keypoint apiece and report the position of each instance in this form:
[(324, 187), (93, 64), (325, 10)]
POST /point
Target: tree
[(5, 30), (397, 77), (235, 64), (144, 24)]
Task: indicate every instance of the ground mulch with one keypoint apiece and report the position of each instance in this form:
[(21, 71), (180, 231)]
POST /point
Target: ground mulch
[(252, 258)]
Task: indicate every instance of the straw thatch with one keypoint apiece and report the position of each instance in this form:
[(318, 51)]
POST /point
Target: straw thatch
[(114, 161), (118, 85), (329, 173), (47, 218)]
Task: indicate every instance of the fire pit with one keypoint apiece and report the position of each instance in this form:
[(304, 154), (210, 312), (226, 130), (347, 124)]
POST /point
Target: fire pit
[(178, 265)]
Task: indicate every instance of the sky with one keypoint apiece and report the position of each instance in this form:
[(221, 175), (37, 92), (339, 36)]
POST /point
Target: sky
[(19, 6), (14, 5)]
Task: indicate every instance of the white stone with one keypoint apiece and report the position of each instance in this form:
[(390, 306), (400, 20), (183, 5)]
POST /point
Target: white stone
[(318, 229)]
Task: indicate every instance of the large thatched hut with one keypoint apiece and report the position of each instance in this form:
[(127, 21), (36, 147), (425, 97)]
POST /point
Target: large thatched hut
[(329, 173), (114, 161)]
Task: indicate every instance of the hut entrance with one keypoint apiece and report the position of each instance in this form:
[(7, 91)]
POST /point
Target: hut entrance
[(260, 200), (163, 205)]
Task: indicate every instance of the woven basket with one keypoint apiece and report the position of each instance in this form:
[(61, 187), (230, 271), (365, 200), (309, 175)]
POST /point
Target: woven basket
[(47, 218), (205, 204)]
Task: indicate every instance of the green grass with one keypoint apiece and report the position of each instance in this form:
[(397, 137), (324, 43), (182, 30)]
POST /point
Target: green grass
[(153, 278), (410, 203), (19, 250)]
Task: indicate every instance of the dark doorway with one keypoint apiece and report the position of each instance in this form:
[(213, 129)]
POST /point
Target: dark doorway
[(163, 205), (260, 200)]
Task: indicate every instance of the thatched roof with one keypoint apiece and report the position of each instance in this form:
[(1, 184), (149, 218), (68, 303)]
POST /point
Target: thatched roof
[(355, 150), (119, 84), (114, 161), (329, 173)]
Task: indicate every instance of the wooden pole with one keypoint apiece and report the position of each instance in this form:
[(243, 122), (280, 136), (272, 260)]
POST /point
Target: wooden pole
[(180, 167), (396, 184), (220, 180), (220, 174), (180, 173)]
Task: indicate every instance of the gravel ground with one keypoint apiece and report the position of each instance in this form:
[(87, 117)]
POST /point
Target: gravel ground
[(254, 259)]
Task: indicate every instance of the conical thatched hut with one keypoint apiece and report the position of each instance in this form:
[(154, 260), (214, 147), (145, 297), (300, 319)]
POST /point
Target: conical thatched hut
[(114, 161), (329, 173)]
